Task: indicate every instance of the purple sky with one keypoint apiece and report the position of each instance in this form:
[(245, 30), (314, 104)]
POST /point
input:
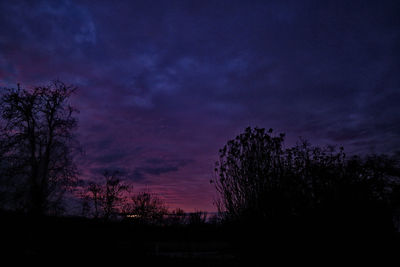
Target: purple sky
[(164, 84)]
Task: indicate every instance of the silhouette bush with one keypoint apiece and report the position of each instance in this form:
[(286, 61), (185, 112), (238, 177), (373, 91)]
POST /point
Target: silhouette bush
[(261, 182)]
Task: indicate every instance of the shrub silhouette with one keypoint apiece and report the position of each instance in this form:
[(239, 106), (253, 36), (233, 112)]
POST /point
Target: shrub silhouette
[(259, 181)]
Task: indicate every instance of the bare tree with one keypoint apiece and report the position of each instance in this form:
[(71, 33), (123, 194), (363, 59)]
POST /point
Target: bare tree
[(37, 144), (104, 200), (147, 208), (249, 167), (112, 195), (177, 217), (95, 194), (198, 217)]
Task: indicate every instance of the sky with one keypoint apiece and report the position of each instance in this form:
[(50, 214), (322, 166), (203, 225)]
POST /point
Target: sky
[(163, 85)]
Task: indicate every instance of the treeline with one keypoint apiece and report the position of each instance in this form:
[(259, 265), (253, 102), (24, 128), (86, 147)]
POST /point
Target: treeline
[(114, 200)]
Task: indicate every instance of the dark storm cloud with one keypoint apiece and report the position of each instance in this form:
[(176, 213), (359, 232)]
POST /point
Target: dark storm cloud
[(156, 167), (163, 81)]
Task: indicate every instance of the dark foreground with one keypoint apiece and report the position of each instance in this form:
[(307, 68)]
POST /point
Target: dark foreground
[(57, 241)]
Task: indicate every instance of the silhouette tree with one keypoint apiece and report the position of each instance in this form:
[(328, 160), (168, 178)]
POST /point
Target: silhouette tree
[(105, 200), (177, 217), (95, 194), (147, 208), (248, 171), (197, 218), (112, 194), (37, 145)]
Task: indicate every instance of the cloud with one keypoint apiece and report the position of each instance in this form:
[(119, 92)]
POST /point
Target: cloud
[(87, 33), (157, 167)]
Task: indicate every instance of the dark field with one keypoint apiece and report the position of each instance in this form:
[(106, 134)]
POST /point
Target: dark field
[(74, 239), (77, 240)]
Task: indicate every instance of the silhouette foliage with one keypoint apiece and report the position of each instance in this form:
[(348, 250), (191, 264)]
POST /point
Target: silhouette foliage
[(259, 181)]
